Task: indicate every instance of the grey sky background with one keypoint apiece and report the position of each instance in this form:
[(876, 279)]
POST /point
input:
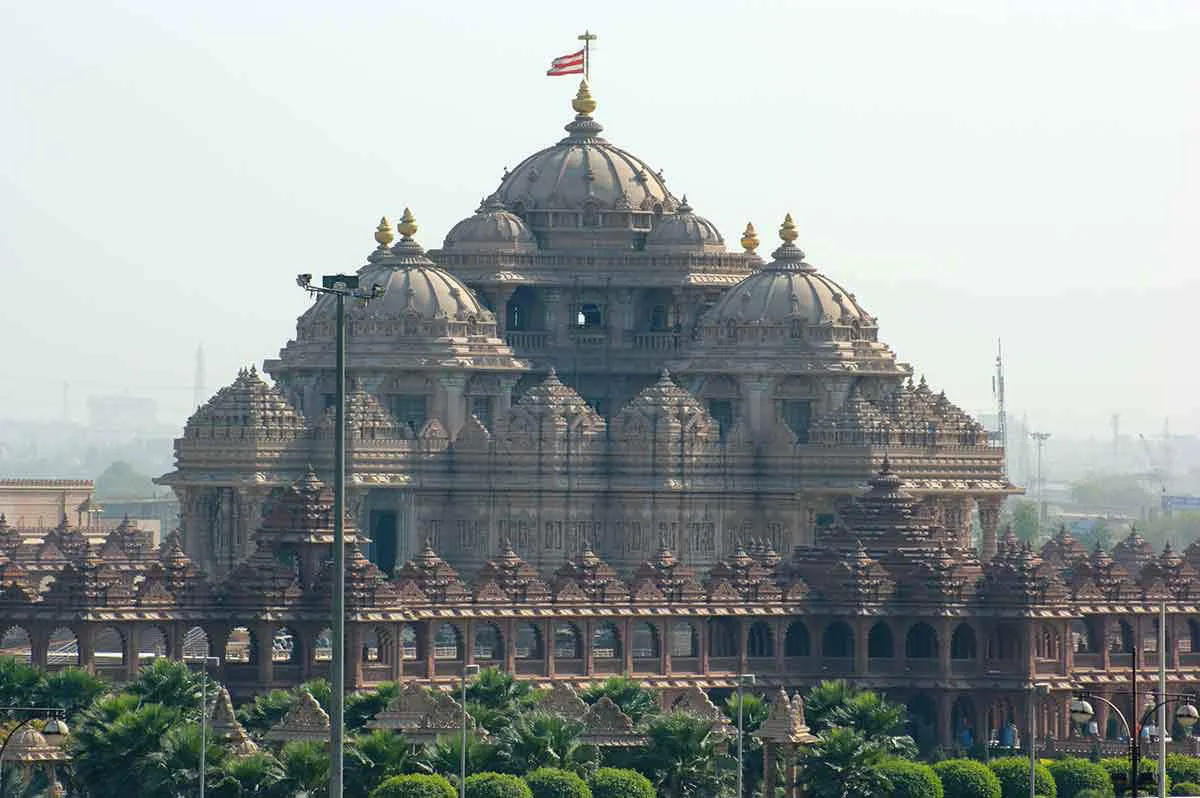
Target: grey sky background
[(1023, 170)]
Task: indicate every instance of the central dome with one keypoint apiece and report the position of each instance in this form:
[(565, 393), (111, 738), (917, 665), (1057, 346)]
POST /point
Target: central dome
[(584, 172)]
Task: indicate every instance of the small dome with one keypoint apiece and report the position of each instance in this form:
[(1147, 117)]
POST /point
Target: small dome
[(685, 231), (785, 290), (492, 229)]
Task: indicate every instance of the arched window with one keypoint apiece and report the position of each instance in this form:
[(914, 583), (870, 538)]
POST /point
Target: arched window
[(489, 643), (529, 642), (880, 644), (606, 642), (567, 641), (644, 641), (1004, 644), (760, 641), (1046, 641), (408, 643), (796, 642), (837, 641), (921, 642), (684, 642), (17, 644), (962, 643), (588, 316), (152, 644), (283, 646), (108, 647), (240, 647), (447, 643), (63, 648), (323, 646), (722, 637)]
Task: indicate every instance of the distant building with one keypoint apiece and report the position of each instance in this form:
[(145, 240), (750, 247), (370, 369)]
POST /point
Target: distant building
[(43, 503)]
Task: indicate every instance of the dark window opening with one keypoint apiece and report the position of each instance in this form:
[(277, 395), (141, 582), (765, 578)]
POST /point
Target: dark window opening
[(330, 400), (722, 412), (796, 414), (382, 549), (658, 318), (588, 316), (481, 408), (518, 317), (410, 410)]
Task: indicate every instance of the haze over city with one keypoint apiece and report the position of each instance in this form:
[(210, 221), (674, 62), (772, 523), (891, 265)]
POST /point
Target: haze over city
[(1017, 170)]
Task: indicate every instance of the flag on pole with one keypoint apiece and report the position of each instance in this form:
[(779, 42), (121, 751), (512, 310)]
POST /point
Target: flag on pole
[(570, 64)]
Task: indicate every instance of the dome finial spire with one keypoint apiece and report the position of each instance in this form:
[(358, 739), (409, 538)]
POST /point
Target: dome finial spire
[(383, 233), (750, 239), (408, 225), (787, 230), (584, 103)]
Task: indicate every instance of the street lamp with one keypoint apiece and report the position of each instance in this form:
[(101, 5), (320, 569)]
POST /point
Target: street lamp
[(743, 680), (55, 727), (1037, 689), (469, 672), (340, 286), (1186, 716), (206, 662)]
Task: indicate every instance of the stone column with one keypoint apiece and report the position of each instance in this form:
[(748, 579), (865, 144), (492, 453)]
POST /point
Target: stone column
[(989, 520), (131, 641), (860, 646), (556, 321), (768, 750), (589, 662), (498, 296), (664, 642), (453, 407), (945, 633), (743, 641), (510, 646), (548, 644)]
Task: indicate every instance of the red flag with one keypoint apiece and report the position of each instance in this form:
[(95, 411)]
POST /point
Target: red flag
[(570, 64)]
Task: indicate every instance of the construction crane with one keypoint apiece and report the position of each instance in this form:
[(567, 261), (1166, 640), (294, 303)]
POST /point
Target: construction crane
[(998, 393)]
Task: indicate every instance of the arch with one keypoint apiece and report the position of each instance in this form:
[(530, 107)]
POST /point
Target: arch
[(196, 644), (644, 641), (63, 648), (1046, 642), (323, 646), (17, 643), (962, 716), (447, 642), (488, 643), (529, 642), (880, 644), (1122, 639), (923, 720), (760, 641), (921, 642), (283, 645), (241, 647), (722, 637), (962, 643), (152, 644), (606, 641), (108, 647), (524, 310), (684, 640), (1084, 639), (377, 646), (409, 646), (1004, 644), (796, 642), (568, 642), (837, 640)]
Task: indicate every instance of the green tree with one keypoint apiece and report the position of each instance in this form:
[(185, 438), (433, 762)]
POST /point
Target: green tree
[(258, 775), (174, 769), (362, 706), (306, 768), (620, 783), (844, 764), (1120, 492), (1182, 788), (542, 739), (73, 689), (685, 755), (267, 709), (967, 778), (496, 697), (1013, 772), (1072, 776), (121, 481), (111, 743), (554, 783), (482, 755), (1022, 516), (634, 700), (1183, 767), (497, 785), (20, 683), (911, 779), (754, 711), (837, 704), (415, 786), (170, 683), (372, 758)]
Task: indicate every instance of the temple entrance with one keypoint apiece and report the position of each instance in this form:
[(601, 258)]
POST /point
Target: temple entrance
[(382, 550)]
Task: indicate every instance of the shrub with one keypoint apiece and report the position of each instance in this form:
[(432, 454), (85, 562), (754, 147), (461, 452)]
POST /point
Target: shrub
[(554, 783), (1181, 767), (496, 785), (618, 783), (912, 779), (1119, 766), (967, 778), (1093, 794), (1185, 787), (1013, 772), (1072, 776), (416, 786)]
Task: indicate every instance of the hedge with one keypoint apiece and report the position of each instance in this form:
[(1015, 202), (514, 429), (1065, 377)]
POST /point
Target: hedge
[(1120, 765), (1182, 767), (620, 783), (966, 778), (1072, 776), (496, 785), (1185, 788), (911, 779), (415, 786), (1013, 772), (554, 783)]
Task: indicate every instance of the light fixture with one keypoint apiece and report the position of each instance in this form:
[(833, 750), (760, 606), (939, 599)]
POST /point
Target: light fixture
[(1082, 712), (1186, 715)]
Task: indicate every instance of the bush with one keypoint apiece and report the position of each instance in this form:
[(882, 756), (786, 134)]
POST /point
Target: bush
[(1072, 776), (554, 783), (416, 786), (1093, 794), (496, 785), (1181, 767), (912, 779), (1013, 772), (618, 783), (1119, 766), (967, 778), (1185, 787)]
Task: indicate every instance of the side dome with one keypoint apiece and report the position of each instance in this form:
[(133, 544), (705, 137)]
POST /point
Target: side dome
[(787, 291), (493, 228), (685, 231)]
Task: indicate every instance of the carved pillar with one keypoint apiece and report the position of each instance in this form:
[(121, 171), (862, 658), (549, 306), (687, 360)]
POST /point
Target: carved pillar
[(468, 642), (945, 730), (779, 633), (627, 648), (264, 639), (768, 750), (510, 646), (589, 662), (664, 644), (743, 646), (989, 521), (702, 631), (945, 634), (354, 639), (427, 637), (452, 408), (87, 648), (860, 646), (39, 645), (548, 644), (131, 642), (498, 296), (556, 316)]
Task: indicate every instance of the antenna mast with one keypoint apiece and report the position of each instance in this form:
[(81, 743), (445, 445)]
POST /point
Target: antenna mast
[(998, 391)]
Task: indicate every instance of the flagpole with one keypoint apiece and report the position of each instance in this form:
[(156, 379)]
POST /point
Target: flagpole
[(587, 37)]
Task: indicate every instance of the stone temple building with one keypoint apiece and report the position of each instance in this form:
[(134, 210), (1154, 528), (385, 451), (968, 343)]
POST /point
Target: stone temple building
[(585, 439)]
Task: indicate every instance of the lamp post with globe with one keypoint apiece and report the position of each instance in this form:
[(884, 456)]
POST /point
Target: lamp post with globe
[(1185, 715)]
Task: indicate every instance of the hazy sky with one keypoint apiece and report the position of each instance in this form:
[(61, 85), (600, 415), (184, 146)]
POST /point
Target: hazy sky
[(971, 170)]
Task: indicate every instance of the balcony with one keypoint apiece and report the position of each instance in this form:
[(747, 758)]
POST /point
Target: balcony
[(656, 341), (526, 341)]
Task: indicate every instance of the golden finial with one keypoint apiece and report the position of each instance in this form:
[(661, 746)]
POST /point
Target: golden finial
[(787, 230), (383, 233), (584, 103), (408, 224), (750, 238)]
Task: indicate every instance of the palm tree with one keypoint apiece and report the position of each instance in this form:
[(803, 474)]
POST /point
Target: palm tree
[(481, 756), (174, 769), (169, 683), (833, 704), (823, 699), (634, 700), (844, 764), (110, 746), (306, 765), (265, 710), (542, 739), (72, 689), (362, 706), (496, 697), (19, 683), (258, 775), (686, 755), (373, 757)]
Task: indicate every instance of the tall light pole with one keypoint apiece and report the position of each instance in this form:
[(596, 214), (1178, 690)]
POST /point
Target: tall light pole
[(206, 663), (341, 287), (743, 680), (468, 672), (1041, 438), (1035, 690)]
